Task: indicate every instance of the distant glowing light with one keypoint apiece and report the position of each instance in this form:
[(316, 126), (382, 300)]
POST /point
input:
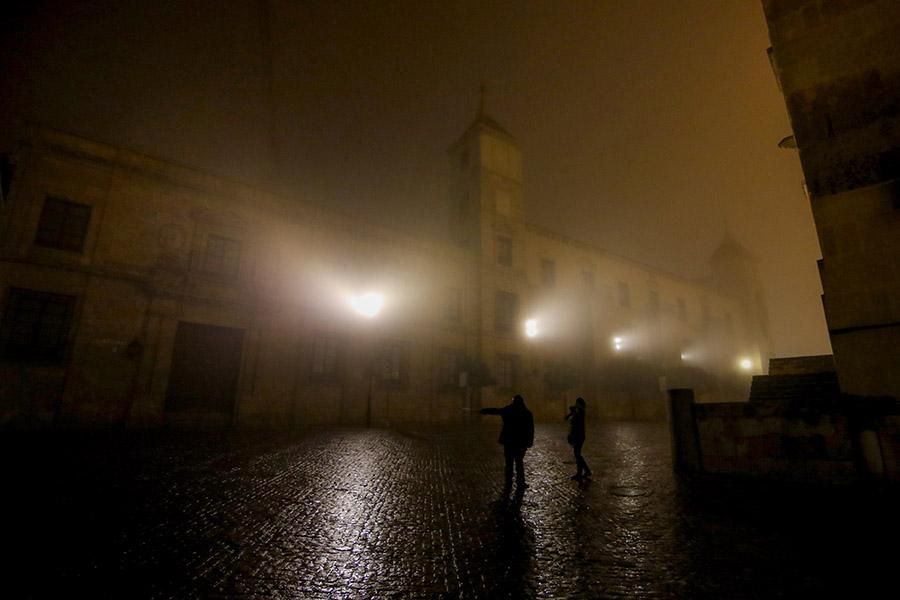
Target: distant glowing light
[(368, 305), (618, 343), (685, 356), (746, 364), (531, 328)]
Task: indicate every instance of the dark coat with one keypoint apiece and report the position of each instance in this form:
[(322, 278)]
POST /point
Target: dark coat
[(576, 426), (518, 425)]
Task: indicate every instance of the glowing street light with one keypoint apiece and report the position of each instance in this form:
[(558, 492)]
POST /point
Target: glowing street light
[(746, 364), (367, 305), (531, 328), (618, 343)]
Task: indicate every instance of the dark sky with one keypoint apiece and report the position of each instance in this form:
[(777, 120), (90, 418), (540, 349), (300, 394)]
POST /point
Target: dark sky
[(646, 125)]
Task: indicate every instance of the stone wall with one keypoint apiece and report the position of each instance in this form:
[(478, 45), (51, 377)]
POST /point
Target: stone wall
[(773, 439), (838, 65), (141, 274), (801, 440)]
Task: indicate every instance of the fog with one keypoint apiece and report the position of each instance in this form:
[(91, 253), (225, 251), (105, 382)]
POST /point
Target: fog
[(648, 127)]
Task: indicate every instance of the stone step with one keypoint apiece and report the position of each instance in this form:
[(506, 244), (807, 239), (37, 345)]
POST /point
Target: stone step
[(813, 385)]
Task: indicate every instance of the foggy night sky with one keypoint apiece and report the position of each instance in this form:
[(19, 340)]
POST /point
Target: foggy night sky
[(645, 124)]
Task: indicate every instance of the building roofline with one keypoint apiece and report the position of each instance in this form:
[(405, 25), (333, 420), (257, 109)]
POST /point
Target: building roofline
[(604, 252), (207, 182), (204, 181)]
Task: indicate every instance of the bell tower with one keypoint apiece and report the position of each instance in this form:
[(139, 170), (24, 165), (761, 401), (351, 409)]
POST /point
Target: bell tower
[(486, 192), (735, 274)]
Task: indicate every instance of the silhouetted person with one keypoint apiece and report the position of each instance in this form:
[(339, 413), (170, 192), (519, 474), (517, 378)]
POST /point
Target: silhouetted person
[(576, 437), (517, 436)]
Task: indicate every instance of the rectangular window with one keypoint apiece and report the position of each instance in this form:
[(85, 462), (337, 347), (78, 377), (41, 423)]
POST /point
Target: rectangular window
[(453, 305), (325, 362), (624, 295), (504, 251), (682, 310), (223, 255), (35, 326), (506, 305), (63, 224), (548, 272), (449, 362), (506, 371), (392, 362)]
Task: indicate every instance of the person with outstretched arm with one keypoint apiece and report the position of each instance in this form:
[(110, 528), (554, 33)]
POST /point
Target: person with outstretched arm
[(517, 436)]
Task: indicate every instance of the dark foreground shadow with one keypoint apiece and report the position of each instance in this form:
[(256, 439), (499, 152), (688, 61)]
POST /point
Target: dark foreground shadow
[(512, 552)]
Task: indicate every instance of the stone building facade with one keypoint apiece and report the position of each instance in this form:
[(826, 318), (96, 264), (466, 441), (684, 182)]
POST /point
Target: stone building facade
[(140, 292), (838, 65)]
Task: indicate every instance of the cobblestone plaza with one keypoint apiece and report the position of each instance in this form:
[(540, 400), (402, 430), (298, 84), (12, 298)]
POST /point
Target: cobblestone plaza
[(356, 513)]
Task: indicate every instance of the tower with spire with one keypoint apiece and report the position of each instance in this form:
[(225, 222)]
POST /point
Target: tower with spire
[(486, 163), (489, 220), (735, 274)]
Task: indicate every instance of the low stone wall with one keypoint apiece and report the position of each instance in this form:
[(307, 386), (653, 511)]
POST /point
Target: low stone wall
[(775, 440), (797, 440)]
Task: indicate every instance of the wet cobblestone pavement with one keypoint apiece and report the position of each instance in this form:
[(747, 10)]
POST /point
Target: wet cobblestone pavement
[(355, 513)]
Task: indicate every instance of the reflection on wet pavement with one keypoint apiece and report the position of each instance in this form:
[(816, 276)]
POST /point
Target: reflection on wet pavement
[(419, 513)]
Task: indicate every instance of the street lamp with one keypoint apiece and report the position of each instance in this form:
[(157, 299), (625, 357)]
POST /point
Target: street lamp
[(368, 305), (531, 328)]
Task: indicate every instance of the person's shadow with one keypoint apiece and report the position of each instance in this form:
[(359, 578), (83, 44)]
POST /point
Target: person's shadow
[(513, 549)]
